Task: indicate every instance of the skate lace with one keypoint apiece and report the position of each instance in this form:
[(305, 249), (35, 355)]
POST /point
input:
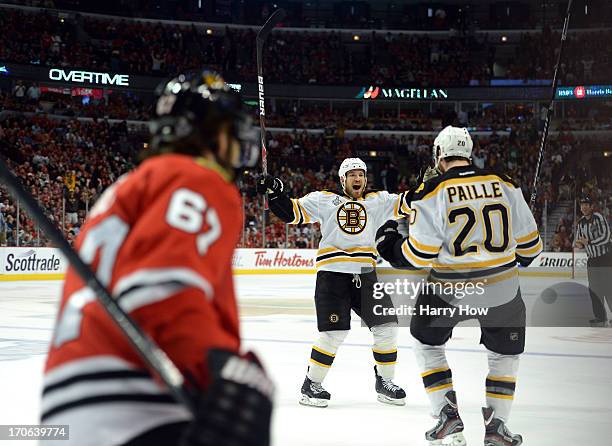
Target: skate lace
[(316, 387), (390, 385)]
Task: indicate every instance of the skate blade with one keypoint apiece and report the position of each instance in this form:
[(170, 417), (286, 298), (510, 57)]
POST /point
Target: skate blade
[(392, 401), (313, 402), (450, 440)]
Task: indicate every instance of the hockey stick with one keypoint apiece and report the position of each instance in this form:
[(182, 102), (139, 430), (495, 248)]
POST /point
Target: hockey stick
[(549, 111), (262, 35), (148, 350)]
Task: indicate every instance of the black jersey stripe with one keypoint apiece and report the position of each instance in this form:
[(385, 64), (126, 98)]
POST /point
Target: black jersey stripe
[(98, 376), (110, 398), (530, 244), (346, 254), (418, 253)]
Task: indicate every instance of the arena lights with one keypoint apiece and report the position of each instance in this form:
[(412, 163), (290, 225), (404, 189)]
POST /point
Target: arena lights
[(209, 31), (356, 38)]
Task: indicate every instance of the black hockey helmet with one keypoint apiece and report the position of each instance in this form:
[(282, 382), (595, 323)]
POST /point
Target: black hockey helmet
[(190, 109)]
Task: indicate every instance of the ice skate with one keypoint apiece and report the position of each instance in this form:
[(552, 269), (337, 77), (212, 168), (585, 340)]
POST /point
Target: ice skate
[(388, 392), (313, 394), (449, 430), (496, 432)]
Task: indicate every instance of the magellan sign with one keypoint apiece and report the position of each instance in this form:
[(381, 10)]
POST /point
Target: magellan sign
[(402, 93), (89, 77)]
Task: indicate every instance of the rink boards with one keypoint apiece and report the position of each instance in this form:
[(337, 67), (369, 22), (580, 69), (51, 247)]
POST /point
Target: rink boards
[(49, 264)]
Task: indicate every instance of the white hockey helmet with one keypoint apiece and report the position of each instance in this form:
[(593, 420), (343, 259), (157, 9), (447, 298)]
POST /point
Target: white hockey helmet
[(351, 164), (452, 141)]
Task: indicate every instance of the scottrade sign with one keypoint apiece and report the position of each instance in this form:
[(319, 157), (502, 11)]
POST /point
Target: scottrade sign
[(373, 93)]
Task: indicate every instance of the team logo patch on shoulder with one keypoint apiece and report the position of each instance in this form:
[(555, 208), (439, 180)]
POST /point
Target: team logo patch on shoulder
[(352, 217), (336, 201)]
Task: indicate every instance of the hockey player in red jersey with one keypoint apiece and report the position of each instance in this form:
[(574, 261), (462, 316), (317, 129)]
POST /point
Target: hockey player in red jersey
[(161, 239)]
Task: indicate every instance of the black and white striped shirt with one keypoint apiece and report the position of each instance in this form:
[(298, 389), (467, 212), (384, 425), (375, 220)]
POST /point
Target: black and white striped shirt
[(596, 231)]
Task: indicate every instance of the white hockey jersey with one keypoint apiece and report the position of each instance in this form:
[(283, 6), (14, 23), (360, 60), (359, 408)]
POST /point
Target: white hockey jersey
[(472, 224), (348, 226)]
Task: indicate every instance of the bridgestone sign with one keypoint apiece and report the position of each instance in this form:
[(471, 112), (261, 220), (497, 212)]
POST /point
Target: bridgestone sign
[(89, 77)]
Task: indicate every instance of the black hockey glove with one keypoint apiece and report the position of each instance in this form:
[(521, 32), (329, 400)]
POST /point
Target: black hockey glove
[(269, 184), (387, 237), (237, 406)]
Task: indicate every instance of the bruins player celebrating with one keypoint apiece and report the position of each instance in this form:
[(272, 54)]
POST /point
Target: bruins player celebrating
[(467, 225), (345, 272)]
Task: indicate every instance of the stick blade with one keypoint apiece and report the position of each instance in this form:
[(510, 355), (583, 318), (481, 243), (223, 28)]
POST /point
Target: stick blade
[(276, 17)]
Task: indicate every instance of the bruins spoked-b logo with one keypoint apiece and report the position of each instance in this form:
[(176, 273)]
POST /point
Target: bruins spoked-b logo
[(352, 217)]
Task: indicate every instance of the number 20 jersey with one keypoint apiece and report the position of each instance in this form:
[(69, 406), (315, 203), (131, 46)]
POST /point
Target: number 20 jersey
[(472, 224), (161, 239)]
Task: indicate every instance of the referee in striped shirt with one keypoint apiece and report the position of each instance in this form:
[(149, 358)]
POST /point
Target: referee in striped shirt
[(593, 235)]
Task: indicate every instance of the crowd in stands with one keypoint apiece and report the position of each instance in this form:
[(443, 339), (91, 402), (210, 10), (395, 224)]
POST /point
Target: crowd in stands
[(65, 164), (585, 57), (127, 46)]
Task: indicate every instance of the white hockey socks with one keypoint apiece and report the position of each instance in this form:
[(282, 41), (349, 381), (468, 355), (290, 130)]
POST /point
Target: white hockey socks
[(385, 349), (501, 383), (436, 374), (323, 354)]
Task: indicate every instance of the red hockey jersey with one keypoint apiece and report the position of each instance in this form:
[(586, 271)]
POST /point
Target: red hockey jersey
[(161, 239)]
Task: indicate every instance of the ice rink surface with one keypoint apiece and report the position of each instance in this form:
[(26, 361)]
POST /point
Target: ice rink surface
[(564, 389)]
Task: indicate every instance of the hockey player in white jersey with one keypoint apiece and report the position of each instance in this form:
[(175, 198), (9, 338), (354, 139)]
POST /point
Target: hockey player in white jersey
[(467, 225), (346, 274)]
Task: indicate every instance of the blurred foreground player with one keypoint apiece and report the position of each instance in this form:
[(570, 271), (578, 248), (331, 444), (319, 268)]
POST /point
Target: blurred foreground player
[(470, 226), (345, 272), (161, 239)]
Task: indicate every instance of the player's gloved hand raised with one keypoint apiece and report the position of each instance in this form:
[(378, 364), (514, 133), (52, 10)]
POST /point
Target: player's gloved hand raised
[(269, 184), (430, 173), (236, 409), (386, 238)]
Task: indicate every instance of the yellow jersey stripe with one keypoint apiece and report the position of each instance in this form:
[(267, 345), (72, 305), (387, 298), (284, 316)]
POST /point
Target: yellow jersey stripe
[(306, 216), (530, 251), (386, 363), (396, 207), (425, 248), (527, 238), (487, 263), (296, 213), (412, 258)]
